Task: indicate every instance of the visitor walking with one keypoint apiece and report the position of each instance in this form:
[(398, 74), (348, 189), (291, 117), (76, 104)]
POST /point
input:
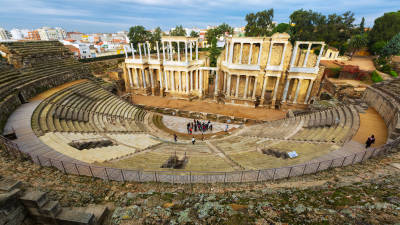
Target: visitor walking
[(175, 138), (193, 140), (211, 127), (226, 128), (370, 141)]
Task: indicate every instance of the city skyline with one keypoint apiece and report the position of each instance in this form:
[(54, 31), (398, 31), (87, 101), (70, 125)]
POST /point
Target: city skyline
[(111, 16)]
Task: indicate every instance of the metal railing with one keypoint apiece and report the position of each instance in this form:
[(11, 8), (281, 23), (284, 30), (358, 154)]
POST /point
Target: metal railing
[(177, 176)]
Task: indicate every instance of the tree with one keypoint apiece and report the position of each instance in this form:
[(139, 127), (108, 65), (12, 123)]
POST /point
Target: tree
[(357, 42), (392, 47), (281, 28), (377, 47), (385, 27), (214, 52), (306, 25), (259, 24), (156, 36), (138, 34), (218, 32), (194, 34), (178, 31), (362, 25)]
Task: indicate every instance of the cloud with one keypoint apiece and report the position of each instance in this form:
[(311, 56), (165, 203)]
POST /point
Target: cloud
[(39, 8)]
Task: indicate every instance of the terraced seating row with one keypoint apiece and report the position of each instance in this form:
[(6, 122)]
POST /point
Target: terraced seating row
[(333, 125), (86, 107)]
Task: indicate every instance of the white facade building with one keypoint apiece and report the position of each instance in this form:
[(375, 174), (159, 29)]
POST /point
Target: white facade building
[(47, 33), (84, 49), (4, 34)]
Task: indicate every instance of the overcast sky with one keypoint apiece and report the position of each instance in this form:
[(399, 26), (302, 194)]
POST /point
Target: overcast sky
[(115, 15)]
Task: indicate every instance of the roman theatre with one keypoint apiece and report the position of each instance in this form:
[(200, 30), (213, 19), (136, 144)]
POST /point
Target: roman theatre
[(55, 112)]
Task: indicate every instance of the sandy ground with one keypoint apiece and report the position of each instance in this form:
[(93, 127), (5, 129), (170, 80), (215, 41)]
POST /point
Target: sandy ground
[(50, 92), (197, 106), (363, 62), (371, 123)]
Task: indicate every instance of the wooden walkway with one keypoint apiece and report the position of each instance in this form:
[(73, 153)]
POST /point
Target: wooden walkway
[(28, 142)]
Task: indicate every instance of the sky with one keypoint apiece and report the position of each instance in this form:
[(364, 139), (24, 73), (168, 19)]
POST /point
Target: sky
[(90, 16)]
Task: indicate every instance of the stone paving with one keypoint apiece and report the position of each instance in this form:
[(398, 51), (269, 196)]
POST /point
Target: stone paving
[(178, 124)]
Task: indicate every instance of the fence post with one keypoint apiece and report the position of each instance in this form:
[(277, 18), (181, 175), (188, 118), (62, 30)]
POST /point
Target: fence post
[(138, 174), (344, 159), (258, 174), (225, 178), (362, 159), (62, 164), (51, 164), (190, 177), (354, 158), (105, 170), (304, 169), (330, 165), (77, 169), (122, 174), (91, 172), (319, 164), (241, 176), (273, 176), (40, 164), (290, 171), (155, 176)]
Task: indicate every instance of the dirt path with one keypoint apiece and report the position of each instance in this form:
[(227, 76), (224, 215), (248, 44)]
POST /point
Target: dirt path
[(201, 106), (371, 123), (50, 92)]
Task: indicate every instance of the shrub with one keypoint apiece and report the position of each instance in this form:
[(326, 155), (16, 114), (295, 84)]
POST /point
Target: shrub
[(375, 77), (393, 73), (377, 47), (386, 68)]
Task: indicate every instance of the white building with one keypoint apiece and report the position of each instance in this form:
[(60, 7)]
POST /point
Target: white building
[(47, 33), (16, 34), (84, 49), (4, 34)]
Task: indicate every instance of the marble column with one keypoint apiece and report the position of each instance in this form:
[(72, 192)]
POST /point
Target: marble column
[(172, 77), (160, 75), (186, 55), (179, 52), (228, 93), (133, 51), (130, 76), (310, 85), (126, 52), (170, 51), (319, 56), (265, 82), (237, 86), (137, 77), (180, 80), (294, 53), (191, 80), (201, 83), (144, 78), (187, 82), (163, 50), (276, 88), (140, 51), (151, 78), (191, 56), (245, 87), (224, 88), (285, 91), (254, 88), (165, 80), (270, 52), (226, 51), (297, 91), (158, 51), (216, 84), (283, 55), (197, 79), (259, 55), (307, 55), (231, 52), (197, 50)]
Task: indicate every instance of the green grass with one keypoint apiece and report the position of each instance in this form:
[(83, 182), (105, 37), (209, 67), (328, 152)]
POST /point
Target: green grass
[(393, 73), (375, 77)]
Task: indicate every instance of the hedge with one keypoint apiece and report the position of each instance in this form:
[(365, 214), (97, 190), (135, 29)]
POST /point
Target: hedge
[(102, 58), (393, 73), (375, 77)]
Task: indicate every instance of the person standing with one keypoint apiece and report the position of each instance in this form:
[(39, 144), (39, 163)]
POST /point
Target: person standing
[(175, 138), (226, 128), (370, 141), (193, 140)]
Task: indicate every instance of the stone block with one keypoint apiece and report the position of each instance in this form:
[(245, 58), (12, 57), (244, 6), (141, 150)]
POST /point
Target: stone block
[(9, 184), (99, 211), (34, 199), (75, 217), (51, 208)]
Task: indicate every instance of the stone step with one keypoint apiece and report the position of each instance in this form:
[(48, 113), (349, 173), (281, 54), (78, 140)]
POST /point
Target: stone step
[(99, 211), (9, 184), (51, 208), (34, 199)]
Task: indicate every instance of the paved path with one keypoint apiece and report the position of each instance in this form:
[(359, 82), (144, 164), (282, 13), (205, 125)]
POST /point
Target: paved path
[(28, 142), (178, 124)]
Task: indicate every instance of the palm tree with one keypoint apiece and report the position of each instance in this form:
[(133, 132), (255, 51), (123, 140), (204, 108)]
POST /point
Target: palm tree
[(357, 42)]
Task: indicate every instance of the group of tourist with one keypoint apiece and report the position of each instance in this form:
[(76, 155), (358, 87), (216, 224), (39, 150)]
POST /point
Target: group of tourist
[(197, 125)]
